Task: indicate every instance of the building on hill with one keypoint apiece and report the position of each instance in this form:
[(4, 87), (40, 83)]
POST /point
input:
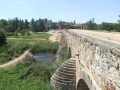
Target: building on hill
[(47, 22), (81, 26), (84, 26), (65, 26)]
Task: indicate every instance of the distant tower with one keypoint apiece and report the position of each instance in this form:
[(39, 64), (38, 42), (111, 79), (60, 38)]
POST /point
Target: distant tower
[(74, 22), (45, 20)]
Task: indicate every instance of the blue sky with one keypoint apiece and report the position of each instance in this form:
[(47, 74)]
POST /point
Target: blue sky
[(67, 10)]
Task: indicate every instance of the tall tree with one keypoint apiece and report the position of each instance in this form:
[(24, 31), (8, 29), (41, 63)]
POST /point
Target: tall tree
[(91, 25), (108, 26), (118, 26), (54, 26), (2, 38), (21, 25), (33, 25), (26, 24), (41, 25), (3, 23)]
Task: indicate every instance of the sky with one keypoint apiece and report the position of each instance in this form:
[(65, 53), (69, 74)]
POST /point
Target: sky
[(66, 10)]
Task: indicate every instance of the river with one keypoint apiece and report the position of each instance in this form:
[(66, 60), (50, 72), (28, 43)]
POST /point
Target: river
[(44, 57)]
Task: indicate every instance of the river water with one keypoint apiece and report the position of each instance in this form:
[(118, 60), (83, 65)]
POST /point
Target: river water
[(44, 57)]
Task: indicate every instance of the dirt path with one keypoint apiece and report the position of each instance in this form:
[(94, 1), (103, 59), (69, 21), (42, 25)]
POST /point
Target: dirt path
[(16, 60), (110, 36), (55, 37)]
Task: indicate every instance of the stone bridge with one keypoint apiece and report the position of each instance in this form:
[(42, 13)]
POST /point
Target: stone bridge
[(94, 63)]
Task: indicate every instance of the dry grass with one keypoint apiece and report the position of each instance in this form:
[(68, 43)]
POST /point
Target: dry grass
[(110, 35)]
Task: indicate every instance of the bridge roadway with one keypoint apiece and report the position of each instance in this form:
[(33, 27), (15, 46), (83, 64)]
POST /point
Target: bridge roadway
[(107, 35), (97, 60)]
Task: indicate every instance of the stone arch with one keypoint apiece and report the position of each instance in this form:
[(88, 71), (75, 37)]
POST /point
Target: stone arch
[(82, 85), (85, 81)]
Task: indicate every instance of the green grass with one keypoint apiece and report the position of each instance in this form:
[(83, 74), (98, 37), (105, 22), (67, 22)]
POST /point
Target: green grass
[(23, 77), (43, 36), (23, 40), (4, 48), (45, 46), (9, 52)]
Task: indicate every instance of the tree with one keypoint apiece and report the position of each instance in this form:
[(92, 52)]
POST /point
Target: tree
[(3, 23), (2, 38), (28, 33), (54, 26), (47, 27), (16, 33), (26, 24), (14, 24), (91, 25), (21, 25), (33, 25), (9, 28), (108, 26), (22, 32), (118, 26), (41, 25)]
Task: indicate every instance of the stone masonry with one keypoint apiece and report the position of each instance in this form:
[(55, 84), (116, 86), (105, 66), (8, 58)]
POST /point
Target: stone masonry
[(97, 60)]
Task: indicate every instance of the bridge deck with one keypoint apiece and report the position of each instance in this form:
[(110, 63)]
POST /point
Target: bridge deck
[(108, 35)]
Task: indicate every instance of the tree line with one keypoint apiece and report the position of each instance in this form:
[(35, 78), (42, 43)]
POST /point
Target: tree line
[(91, 25), (18, 25), (15, 26)]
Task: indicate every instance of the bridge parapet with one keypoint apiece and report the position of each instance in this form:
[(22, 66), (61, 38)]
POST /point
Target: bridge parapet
[(97, 60)]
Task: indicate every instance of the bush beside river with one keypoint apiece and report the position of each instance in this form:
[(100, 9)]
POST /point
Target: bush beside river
[(11, 51)]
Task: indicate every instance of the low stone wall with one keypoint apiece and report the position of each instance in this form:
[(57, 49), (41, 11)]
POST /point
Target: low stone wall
[(97, 60), (63, 46)]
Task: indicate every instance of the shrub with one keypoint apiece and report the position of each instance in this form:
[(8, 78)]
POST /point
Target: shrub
[(17, 49), (45, 46), (9, 52), (2, 38)]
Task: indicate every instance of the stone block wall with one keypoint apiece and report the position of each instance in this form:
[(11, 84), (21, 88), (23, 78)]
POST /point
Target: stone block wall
[(98, 58)]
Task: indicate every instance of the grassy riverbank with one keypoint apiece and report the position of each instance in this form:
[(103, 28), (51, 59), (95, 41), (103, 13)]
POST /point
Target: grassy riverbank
[(32, 39), (45, 46), (29, 75), (27, 41), (15, 47), (43, 36), (9, 52), (24, 77)]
